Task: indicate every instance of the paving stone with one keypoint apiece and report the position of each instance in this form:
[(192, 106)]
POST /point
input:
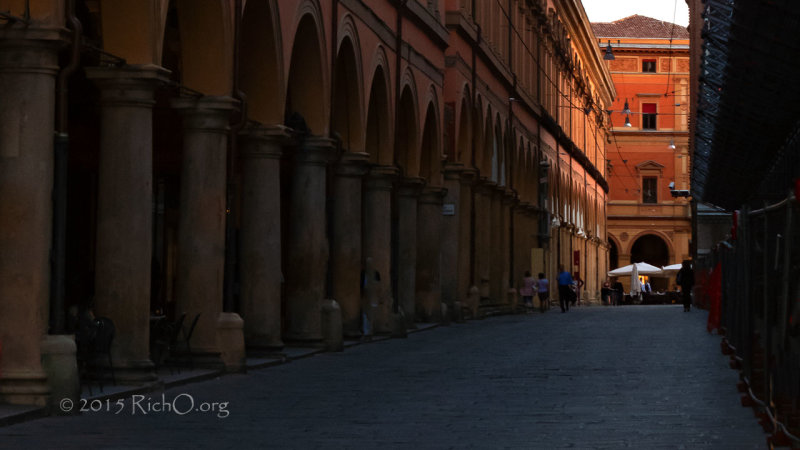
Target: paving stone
[(607, 378)]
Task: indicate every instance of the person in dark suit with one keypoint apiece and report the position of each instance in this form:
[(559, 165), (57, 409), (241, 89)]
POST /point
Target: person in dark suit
[(685, 280)]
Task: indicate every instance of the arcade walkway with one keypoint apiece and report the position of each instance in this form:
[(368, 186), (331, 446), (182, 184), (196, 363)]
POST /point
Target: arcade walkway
[(627, 377)]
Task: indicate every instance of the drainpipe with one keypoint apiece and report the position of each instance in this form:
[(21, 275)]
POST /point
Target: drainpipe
[(231, 253), (473, 159), (401, 5), (60, 173), (511, 144), (330, 173)]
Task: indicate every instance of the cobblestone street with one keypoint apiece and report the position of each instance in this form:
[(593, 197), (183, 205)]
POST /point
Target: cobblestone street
[(629, 377)]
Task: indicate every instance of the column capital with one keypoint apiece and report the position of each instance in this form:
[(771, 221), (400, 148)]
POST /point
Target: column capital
[(30, 50), (469, 176), (452, 170), (352, 164), (381, 178), (485, 186), (411, 186), (509, 196), (264, 141), (128, 85), (432, 195), (315, 150), (211, 114)]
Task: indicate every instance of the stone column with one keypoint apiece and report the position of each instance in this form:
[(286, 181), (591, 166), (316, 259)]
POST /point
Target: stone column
[(201, 231), (307, 240), (377, 243), (27, 109), (522, 248), (466, 241), (451, 234), (346, 258), (509, 201), (408, 195), (483, 236), (124, 212), (429, 254), (498, 232), (260, 235)]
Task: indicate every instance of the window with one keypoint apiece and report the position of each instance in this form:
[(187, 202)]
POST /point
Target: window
[(650, 190), (649, 65), (648, 116)]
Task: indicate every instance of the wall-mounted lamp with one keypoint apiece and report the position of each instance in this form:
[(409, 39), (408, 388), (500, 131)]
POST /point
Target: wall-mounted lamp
[(626, 109), (609, 55), (672, 144), (628, 121)]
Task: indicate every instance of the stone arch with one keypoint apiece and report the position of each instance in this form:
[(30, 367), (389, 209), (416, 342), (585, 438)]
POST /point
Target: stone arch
[(656, 234), (465, 128), (498, 150), (307, 82), (406, 156), (477, 132), (613, 252), (430, 150), (347, 89), (520, 168), (378, 137), (206, 45), (652, 248), (136, 32), (261, 62), (488, 142)]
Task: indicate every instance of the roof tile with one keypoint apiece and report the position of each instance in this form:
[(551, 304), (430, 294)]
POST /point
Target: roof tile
[(637, 26)]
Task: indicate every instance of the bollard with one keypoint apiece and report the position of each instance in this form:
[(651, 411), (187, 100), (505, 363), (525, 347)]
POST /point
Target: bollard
[(445, 314), (513, 299), (61, 366), (230, 339), (332, 326), (474, 300), (458, 312), (399, 324)]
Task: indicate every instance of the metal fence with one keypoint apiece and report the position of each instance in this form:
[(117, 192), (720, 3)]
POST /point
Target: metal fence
[(758, 284)]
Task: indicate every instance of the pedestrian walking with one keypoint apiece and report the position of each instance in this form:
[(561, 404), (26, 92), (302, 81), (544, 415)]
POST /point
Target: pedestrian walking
[(685, 279), (619, 291), (564, 288), (606, 292), (528, 283), (578, 284), (543, 291)]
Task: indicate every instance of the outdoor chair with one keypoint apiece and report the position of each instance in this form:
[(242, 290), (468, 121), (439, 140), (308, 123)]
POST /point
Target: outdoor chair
[(165, 341), (93, 339), (187, 336)]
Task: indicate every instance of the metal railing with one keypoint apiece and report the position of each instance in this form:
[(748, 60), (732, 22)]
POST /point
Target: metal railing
[(759, 285)]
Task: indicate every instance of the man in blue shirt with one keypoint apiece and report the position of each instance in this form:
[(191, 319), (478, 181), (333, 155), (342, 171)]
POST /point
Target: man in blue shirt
[(564, 290)]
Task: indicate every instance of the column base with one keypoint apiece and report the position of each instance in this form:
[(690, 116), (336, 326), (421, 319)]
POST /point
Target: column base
[(24, 388), (303, 339), (132, 372), (202, 359), (263, 343)]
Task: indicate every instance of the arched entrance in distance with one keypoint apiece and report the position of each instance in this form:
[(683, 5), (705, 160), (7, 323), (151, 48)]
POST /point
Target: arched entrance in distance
[(652, 249), (613, 255)]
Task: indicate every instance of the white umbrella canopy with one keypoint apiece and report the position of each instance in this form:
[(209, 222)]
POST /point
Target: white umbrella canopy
[(671, 269), (641, 269), (636, 287)]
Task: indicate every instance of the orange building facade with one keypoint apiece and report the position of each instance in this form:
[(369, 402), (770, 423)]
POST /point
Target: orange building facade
[(649, 217)]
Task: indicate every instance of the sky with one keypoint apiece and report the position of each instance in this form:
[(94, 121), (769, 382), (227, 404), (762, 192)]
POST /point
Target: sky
[(611, 10)]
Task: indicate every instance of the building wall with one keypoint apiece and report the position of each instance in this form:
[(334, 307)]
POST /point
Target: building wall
[(635, 152), (388, 155)]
